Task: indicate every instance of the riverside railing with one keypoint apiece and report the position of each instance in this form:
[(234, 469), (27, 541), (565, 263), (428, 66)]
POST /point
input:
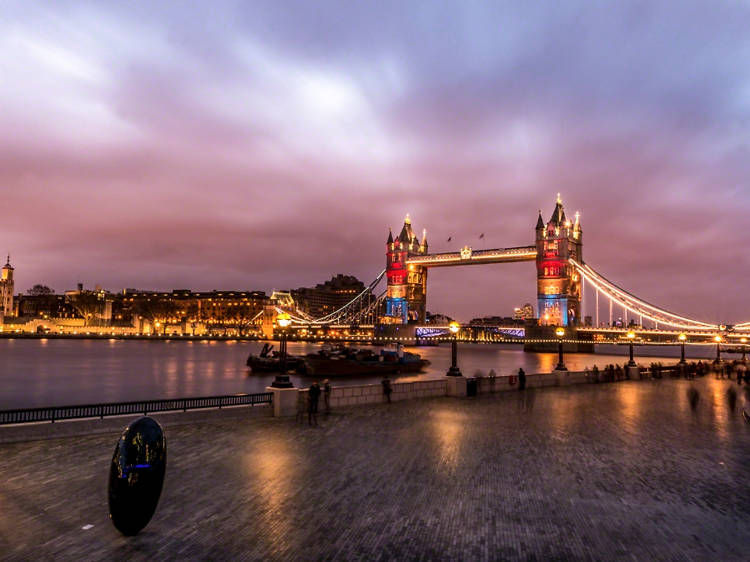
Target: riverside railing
[(144, 407)]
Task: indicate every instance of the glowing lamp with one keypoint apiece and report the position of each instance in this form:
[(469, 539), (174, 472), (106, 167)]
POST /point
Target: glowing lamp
[(682, 337), (631, 335), (717, 339), (454, 327), (560, 332), (743, 340), (283, 320)]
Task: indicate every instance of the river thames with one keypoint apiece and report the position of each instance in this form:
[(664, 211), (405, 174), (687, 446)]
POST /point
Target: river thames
[(56, 372)]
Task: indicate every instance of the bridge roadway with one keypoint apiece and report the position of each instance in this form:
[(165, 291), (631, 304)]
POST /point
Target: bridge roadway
[(644, 336), (620, 471), (474, 257)]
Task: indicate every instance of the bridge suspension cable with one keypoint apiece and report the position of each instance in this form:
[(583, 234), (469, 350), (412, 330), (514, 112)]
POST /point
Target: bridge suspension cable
[(360, 306), (635, 305)]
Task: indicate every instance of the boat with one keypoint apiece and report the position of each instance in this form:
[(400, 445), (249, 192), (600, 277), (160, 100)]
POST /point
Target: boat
[(270, 361), (343, 361)]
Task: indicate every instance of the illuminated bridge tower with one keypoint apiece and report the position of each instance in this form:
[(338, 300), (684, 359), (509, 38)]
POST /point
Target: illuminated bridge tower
[(406, 296), (558, 284)]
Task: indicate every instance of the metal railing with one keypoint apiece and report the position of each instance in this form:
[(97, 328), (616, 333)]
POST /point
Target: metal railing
[(144, 407)]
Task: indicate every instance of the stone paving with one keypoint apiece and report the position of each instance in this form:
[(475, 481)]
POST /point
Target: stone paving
[(601, 472)]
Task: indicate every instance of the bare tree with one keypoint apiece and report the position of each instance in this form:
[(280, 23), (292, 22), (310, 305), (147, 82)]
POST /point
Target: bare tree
[(87, 304), (40, 290), (158, 312), (242, 318)]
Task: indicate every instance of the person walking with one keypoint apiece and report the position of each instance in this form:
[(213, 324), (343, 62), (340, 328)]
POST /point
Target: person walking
[(301, 406), (386, 382), (492, 376), (327, 395), (312, 403), (521, 379)]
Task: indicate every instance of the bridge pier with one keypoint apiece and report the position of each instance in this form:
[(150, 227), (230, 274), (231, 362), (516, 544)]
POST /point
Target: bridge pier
[(543, 339), (403, 333)]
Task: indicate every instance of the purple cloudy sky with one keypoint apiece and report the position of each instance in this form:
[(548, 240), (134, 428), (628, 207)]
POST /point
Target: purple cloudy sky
[(261, 145)]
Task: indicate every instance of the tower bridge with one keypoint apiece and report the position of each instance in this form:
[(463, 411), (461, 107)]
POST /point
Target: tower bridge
[(562, 275), (558, 284)]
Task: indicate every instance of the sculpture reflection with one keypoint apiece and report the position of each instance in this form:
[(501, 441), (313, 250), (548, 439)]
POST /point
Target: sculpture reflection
[(136, 475)]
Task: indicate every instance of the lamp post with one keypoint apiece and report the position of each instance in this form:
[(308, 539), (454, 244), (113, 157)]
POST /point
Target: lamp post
[(682, 338), (283, 320), (631, 337), (454, 371), (717, 339), (560, 333)]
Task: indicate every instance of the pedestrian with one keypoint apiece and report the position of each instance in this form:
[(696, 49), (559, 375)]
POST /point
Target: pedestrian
[(478, 377), (312, 403), (386, 382), (327, 395), (521, 379), (301, 406), (492, 376)]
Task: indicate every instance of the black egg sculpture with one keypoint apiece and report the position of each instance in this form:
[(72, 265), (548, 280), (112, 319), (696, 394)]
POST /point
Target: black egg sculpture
[(136, 475)]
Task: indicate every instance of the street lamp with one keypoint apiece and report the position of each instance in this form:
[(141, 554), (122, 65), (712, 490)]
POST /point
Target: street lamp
[(743, 341), (682, 338), (631, 337), (717, 339), (560, 333), (454, 371), (283, 320)]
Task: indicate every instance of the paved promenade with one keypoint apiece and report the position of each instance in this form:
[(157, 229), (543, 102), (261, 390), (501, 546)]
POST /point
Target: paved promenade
[(608, 471)]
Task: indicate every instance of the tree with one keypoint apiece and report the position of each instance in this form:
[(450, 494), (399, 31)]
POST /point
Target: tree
[(87, 304), (159, 312), (40, 290), (243, 318)]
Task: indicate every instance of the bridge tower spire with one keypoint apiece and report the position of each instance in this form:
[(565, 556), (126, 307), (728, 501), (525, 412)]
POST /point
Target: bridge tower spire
[(558, 284), (406, 293)]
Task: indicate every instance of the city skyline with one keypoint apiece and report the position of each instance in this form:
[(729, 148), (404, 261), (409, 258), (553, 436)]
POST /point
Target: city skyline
[(270, 148)]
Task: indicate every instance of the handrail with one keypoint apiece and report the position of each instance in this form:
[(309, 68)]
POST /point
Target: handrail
[(55, 413)]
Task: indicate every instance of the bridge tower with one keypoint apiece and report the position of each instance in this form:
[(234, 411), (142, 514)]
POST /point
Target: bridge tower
[(558, 284), (406, 294)]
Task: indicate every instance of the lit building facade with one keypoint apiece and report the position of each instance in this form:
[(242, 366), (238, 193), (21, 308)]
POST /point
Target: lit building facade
[(558, 284), (327, 297), (406, 293), (188, 312), (524, 312)]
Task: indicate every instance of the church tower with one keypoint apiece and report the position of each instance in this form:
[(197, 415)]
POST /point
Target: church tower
[(558, 284), (6, 289)]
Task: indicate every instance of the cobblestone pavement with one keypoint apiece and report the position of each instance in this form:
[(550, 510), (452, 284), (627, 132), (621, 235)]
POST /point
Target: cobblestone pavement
[(610, 471)]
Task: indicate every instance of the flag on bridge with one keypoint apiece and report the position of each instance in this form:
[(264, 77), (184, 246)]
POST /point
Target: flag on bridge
[(481, 236), (449, 238)]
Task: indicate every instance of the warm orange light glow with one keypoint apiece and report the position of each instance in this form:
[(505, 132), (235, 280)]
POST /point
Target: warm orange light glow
[(454, 327), (631, 335), (682, 337), (743, 340), (717, 339), (560, 332), (283, 320)]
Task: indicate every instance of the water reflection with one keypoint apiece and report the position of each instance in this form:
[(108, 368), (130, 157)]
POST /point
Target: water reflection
[(561, 412), (447, 429), (547, 362), (629, 412), (271, 472), (58, 372)]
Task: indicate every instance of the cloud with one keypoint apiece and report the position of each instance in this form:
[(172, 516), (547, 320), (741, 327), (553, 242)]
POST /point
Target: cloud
[(268, 146)]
